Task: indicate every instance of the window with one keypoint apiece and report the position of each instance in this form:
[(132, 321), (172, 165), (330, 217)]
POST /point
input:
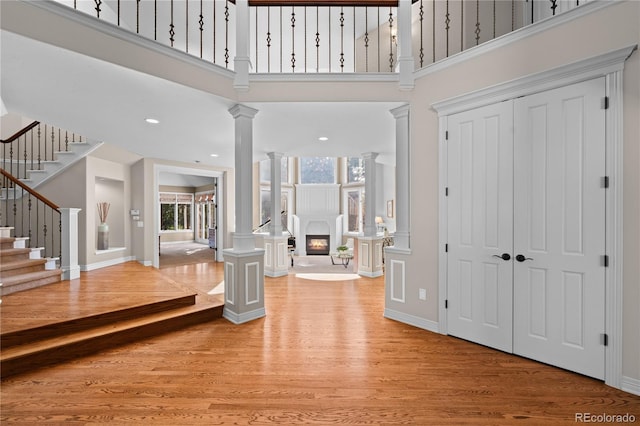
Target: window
[(176, 211), (317, 170), (355, 170), (265, 207)]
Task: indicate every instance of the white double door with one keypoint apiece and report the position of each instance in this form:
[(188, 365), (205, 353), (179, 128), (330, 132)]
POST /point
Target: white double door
[(526, 222)]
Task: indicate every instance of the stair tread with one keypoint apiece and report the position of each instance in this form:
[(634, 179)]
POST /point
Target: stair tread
[(103, 330), (14, 251), (29, 276)]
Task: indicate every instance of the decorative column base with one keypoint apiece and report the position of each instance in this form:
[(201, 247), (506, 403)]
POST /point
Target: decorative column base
[(243, 285), (276, 262), (370, 256)]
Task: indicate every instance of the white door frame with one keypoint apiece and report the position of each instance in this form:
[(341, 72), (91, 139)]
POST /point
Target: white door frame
[(610, 65)]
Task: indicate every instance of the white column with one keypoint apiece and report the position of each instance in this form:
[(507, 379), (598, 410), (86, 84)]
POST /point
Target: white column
[(242, 62), (403, 190), (244, 263), (406, 64), (69, 254), (276, 189), (370, 228), (243, 238)]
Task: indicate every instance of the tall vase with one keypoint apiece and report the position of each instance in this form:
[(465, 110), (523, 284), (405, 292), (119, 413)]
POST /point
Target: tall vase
[(103, 236)]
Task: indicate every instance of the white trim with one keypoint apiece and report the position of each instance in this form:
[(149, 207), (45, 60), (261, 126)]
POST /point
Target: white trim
[(106, 263), (443, 226), (326, 77), (411, 320), (243, 317), (128, 36), (609, 65), (256, 282), (631, 385), (515, 36), (586, 69), (229, 283), (392, 282), (614, 228)]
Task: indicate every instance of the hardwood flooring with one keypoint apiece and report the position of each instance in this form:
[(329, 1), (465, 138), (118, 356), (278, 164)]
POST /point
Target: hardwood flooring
[(324, 354)]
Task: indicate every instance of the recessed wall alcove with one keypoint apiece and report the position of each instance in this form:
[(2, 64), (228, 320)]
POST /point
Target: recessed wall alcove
[(111, 191)]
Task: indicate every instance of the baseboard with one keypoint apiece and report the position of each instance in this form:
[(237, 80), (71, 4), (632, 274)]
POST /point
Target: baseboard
[(630, 385), (244, 317), (105, 263), (145, 262), (411, 320)]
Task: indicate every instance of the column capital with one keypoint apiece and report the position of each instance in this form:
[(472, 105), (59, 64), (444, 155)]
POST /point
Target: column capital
[(240, 110), (369, 155), (401, 111), (275, 155)]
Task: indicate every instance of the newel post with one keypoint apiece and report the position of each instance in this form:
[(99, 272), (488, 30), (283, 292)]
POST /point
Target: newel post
[(69, 243), (406, 65)]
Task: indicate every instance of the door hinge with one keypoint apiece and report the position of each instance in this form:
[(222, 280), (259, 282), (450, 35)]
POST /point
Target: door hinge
[(446, 248), (606, 260), (606, 102), (446, 303), (605, 339), (446, 191), (446, 135), (605, 181)]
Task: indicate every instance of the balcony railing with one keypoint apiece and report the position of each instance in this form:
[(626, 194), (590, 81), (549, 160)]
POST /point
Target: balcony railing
[(323, 36)]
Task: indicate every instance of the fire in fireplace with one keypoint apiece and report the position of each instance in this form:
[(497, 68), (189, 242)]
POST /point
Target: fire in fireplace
[(317, 244)]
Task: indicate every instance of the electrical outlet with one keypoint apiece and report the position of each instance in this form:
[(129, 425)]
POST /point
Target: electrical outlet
[(423, 294)]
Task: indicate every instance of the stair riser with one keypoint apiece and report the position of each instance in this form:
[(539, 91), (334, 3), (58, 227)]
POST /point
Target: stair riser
[(66, 352)]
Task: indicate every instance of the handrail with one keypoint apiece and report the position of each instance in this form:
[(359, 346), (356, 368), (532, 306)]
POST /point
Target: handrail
[(20, 133), (30, 190)]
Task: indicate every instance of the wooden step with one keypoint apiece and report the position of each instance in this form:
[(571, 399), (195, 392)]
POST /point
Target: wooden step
[(21, 266), (29, 280), (27, 357), (58, 328), (6, 242)]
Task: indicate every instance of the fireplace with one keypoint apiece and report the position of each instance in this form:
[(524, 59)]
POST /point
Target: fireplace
[(317, 244)]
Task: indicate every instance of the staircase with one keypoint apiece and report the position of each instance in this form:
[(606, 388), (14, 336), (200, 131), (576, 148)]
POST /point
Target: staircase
[(23, 268)]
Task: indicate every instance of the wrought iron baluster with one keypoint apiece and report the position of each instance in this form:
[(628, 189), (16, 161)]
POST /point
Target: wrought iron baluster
[(532, 1), (366, 39), (329, 34), (59, 139), (341, 39), (155, 19), (137, 16), (293, 39), (447, 21), (433, 28), (201, 28), (317, 39), (118, 12), (461, 25), (268, 38), (98, 7), (354, 39), (25, 157), (477, 22), (553, 7), (53, 141), (39, 149), (45, 142), (280, 38), (513, 15), (66, 141), (172, 33), (214, 32), (305, 38), (226, 34), (391, 39), (256, 57), (494, 18), (29, 213), (186, 25), (31, 133)]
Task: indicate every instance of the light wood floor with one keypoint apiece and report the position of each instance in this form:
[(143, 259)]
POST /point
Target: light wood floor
[(324, 354)]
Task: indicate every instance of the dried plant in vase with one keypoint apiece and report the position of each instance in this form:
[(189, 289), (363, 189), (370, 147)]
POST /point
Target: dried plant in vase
[(103, 211), (103, 228)]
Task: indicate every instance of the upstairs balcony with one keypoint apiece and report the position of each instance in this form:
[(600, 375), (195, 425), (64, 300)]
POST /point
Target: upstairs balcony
[(322, 36)]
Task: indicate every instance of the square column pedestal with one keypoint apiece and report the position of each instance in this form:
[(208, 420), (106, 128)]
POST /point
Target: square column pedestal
[(243, 285), (370, 256), (276, 263)]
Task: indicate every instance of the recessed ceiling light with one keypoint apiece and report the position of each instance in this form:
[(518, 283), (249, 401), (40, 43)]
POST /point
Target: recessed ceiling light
[(323, 138), (152, 120), (214, 155)]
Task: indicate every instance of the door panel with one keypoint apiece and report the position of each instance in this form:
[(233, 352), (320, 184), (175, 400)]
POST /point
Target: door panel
[(480, 181), (559, 207)]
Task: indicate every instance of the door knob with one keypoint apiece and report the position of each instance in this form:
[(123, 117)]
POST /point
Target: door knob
[(503, 256), (521, 258)]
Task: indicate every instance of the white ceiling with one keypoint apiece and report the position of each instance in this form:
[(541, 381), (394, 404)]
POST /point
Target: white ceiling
[(108, 102)]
